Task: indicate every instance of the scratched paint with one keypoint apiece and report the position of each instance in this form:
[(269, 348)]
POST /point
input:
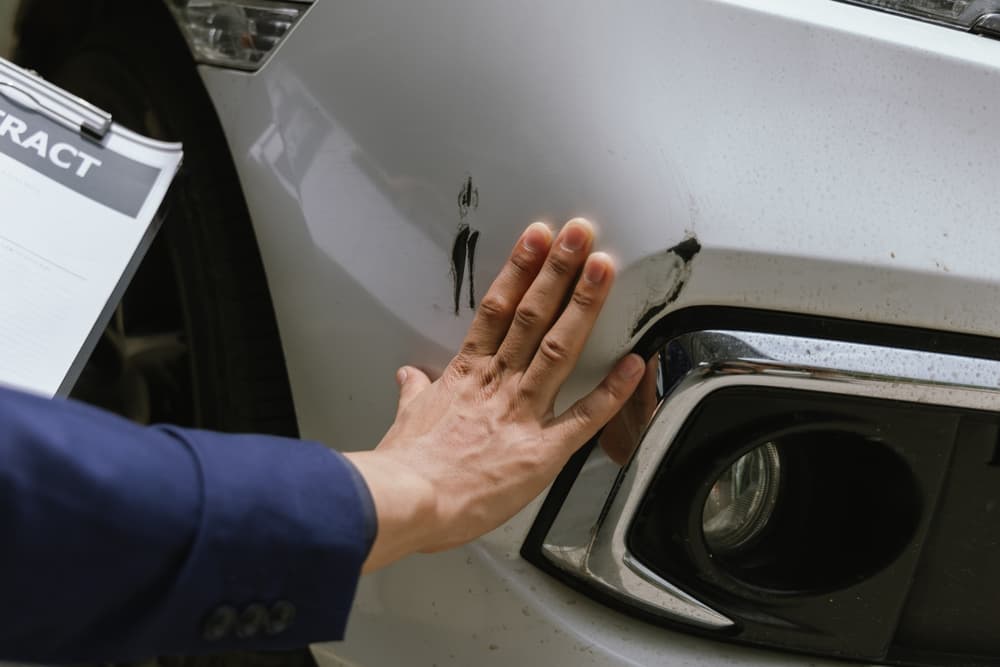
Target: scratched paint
[(463, 250), (468, 198), (458, 256), (666, 279), (473, 240)]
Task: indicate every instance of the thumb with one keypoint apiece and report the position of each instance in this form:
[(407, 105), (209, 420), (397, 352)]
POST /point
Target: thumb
[(585, 417), (411, 382)]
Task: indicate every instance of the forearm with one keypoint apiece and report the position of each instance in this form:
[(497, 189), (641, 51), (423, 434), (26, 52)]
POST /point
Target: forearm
[(124, 541)]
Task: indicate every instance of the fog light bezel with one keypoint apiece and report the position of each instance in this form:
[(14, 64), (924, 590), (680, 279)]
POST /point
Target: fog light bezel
[(807, 354)]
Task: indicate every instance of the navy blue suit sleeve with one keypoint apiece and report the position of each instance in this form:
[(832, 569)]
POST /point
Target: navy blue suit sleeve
[(123, 542)]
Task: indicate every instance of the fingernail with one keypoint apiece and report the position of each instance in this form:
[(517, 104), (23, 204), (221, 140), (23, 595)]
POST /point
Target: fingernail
[(535, 237), (574, 237), (630, 367), (595, 269), (401, 376)]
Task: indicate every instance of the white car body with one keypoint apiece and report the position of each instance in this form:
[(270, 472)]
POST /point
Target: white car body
[(830, 160)]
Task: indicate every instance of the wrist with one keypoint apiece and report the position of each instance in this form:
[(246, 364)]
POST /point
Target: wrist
[(405, 507)]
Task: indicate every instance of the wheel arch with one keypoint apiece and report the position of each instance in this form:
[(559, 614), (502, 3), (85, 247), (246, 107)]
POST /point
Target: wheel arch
[(50, 33), (48, 30)]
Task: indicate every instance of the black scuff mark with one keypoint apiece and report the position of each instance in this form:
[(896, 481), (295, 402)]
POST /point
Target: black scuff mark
[(464, 248), (683, 253), (473, 239), (458, 254), (647, 316), (468, 198), (687, 249)]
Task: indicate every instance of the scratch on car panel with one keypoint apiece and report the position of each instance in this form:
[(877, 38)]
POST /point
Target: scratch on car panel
[(666, 280), (473, 239), (465, 245), (458, 251), (468, 198)]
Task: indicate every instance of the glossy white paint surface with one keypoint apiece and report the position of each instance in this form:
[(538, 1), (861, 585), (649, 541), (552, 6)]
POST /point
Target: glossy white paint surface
[(830, 159)]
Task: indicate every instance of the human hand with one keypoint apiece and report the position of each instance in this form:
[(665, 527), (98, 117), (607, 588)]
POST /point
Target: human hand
[(621, 436), (469, 450)]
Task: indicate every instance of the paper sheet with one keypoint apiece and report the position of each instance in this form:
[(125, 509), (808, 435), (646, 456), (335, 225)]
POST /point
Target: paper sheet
[(76, 215)]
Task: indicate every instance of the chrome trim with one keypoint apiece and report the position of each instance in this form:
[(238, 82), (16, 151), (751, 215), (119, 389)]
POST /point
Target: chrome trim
[(717, 359), (968, 18), (988, 25)]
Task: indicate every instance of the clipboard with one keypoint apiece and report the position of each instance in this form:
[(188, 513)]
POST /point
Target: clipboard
[(83, 201)]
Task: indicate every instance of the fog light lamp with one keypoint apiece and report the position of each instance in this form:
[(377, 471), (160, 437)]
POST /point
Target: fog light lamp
[(742, 500), (237, 33)]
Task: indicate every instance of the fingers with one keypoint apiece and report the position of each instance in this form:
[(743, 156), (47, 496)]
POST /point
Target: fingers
[(544, 299), (561, 346), (621, 435), (411, 382), (645, 396), (585, 417), (496, 308)]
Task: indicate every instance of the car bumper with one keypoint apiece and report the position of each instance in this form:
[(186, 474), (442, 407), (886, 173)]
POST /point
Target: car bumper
[(830, 160)]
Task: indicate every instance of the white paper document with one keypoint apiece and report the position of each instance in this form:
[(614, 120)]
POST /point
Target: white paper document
[(78, 208)]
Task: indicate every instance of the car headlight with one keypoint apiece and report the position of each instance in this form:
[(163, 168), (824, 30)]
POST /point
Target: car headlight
[(240, 33)]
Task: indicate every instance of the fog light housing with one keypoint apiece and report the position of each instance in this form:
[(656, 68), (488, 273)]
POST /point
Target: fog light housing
[(742, 500), (236, 33)]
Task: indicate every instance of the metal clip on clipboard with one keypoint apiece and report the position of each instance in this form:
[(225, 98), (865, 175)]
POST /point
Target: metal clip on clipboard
[(34, 93)]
